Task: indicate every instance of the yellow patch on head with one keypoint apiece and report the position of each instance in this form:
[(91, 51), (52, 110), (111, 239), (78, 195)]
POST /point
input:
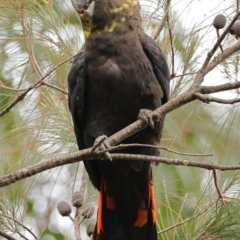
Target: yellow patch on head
[(125, 5), (116, 10), (134, 3), (123, 19), (111, 28)]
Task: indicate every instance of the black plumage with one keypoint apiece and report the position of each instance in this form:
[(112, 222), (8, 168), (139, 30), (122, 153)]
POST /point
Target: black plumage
[(119, 71)]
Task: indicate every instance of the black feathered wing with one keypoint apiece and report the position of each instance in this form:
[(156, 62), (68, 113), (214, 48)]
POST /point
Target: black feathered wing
[(77, 78), (76, 91), (159, 64)]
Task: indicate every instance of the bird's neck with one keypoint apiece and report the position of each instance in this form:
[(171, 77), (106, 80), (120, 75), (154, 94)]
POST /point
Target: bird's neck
[(116, 19)]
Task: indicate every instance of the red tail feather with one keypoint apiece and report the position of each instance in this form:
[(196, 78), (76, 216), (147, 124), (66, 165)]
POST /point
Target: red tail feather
[(109, 228)]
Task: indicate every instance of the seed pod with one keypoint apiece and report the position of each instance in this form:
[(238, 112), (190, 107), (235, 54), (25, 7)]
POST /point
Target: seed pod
[(88, 211), (235, 30), (90, 229), (77, 199), (64, 208), (219, 21)]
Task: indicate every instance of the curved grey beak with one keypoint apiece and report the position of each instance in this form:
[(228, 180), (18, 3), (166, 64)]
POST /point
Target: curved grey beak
[(85, 14)]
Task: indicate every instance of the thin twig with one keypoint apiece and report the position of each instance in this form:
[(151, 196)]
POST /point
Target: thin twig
[(122, 146), (218, 35), (77, 220), (71, 218), (29, 44), (208, 99), (172, 49), (20, 234), (12, 89), (185, 74), (83, 181), (216, 185), (22, 225), (7, 236), (21, 96), (161, 25), (178, 224), (188, 154), (210, 54), (54, 87)]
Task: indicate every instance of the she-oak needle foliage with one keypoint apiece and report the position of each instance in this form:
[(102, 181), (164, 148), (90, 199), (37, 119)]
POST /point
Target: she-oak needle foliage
[(38, 35)]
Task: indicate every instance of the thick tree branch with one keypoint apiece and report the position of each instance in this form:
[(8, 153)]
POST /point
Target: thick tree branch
[(85, 154)]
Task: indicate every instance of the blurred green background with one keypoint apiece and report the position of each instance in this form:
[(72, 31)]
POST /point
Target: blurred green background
[(38, 35)]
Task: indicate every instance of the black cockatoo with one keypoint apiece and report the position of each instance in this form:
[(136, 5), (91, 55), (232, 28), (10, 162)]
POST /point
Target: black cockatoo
[(118, 72)]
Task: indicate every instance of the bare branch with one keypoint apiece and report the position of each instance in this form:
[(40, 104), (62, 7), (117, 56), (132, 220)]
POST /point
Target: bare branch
[(219, 88), (54, 87), (178, 224), (216, 185), (164, 19), (172, 49), (22, 225), (122, 146), (182, 75), (7, 236), (77, 221), (208, 99), (215, 47), (86, 154), (218, 35), (172, 161), (222, 56), (11, 89)]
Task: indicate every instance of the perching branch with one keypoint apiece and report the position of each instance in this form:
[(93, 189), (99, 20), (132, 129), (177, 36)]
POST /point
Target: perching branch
[(186, 97), (85, 154)]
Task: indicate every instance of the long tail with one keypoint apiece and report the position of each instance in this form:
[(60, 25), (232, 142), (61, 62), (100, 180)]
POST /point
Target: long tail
[(109, 228)]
